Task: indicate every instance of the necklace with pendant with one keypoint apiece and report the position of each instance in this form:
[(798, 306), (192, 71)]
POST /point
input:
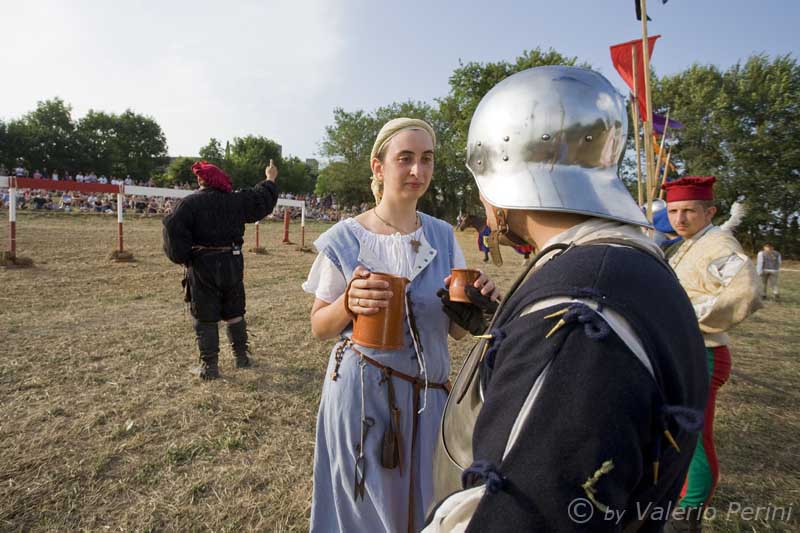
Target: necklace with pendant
[(415, 244)]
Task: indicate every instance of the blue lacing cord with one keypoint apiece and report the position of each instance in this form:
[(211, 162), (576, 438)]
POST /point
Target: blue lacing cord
[(498, 335), (483, 472), (590, 293), (593, 324), (688, 419)]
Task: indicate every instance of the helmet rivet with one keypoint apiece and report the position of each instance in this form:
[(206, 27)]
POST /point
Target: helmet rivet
[(506, 138), (588, 138), (480, 162), (546, 137), (505, 158)]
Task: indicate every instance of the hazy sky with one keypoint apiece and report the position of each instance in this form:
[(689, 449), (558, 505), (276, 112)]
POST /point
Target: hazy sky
[(278, 68)]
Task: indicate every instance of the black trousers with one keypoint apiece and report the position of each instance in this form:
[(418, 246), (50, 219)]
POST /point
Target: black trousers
[(216, 280)]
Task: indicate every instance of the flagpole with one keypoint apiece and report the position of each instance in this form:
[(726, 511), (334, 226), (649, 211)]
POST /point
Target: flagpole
[(635, 114), (648, 120), (664, 176), (661, 151)]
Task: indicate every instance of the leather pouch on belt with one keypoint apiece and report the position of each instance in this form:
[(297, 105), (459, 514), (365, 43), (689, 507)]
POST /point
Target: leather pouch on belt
[(391, 452), (390, 448)]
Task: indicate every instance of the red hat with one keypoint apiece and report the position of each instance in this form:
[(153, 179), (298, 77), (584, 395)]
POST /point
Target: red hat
[(690, 188), (212, 176)]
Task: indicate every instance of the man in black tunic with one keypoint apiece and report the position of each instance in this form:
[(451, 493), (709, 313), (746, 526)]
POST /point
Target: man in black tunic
[(205, 234), (580, 409)]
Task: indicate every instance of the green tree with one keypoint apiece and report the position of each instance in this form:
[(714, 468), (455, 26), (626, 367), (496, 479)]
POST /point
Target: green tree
[(212, 152), (6, 156), (141, 145), (43, 138), (742, 126), (337, 179), (296, 176), (248, 158), (121, 145), (179, 171), (96, 142)]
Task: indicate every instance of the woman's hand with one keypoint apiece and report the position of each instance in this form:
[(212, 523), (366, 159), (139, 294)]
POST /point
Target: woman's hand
[(366, 296)]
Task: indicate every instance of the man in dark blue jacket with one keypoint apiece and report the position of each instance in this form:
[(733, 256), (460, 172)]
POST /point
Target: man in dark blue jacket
[(580, 408)]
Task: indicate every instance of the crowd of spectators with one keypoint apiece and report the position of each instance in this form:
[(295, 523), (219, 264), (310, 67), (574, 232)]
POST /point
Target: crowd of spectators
[(323, 208), (45, 199), (77, 202)]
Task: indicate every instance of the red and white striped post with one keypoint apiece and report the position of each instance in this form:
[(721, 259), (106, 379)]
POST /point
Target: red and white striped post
[(303, 228), (12, 217), (120, 200), (286, 226)]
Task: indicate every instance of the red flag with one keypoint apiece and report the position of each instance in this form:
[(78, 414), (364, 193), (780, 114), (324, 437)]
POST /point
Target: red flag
[(622, 57)]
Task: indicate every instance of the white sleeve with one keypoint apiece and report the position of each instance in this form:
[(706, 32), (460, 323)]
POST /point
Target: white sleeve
[(760, 262), (725, 268), (458, 256), (325, 281)]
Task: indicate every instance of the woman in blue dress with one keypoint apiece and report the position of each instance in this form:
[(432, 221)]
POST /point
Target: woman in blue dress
[(373, 471)]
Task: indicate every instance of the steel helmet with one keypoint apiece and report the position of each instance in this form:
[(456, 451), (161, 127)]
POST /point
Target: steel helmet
[(550, 139)]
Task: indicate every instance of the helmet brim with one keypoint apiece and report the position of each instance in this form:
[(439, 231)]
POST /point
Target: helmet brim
[(597, 192)]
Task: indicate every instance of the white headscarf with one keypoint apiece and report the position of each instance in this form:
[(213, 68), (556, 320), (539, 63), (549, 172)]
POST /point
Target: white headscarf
[(387, 133)]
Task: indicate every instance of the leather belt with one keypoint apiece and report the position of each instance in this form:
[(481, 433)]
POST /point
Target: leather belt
[(199, 248)]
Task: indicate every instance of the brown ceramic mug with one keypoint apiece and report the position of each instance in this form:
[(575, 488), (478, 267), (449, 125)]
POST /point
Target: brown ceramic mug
[(460, 278), (384, 329)]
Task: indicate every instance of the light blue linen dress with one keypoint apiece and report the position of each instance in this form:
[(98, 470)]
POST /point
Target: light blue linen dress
[(385, 505)]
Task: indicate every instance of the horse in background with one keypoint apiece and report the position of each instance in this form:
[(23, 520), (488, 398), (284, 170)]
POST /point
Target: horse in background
[(479, 223)]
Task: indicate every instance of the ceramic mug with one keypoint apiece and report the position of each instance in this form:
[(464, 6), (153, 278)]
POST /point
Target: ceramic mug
[(385, 329), (460, 278)]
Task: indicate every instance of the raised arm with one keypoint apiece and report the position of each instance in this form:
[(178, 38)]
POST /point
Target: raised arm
[(259, 201)]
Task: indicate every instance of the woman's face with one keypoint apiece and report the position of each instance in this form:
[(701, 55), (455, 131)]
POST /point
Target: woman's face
[(407, 166)]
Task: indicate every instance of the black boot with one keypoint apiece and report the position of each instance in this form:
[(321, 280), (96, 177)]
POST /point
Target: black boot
[(208, 343), (237, 335)]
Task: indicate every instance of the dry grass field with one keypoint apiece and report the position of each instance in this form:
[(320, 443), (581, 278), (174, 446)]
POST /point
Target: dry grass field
[(102, 428)]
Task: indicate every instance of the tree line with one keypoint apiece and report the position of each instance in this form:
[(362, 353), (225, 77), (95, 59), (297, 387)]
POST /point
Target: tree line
[(50, 140), (741, 125)]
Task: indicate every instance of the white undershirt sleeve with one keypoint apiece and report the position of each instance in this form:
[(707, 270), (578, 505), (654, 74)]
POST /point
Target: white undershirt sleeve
[(325, 281)]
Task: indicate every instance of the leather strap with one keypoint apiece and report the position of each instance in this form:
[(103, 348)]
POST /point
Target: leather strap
[(392, 372), (199, 248)]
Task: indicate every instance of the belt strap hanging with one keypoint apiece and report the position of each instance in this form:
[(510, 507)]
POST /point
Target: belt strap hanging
[(391, 450)]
